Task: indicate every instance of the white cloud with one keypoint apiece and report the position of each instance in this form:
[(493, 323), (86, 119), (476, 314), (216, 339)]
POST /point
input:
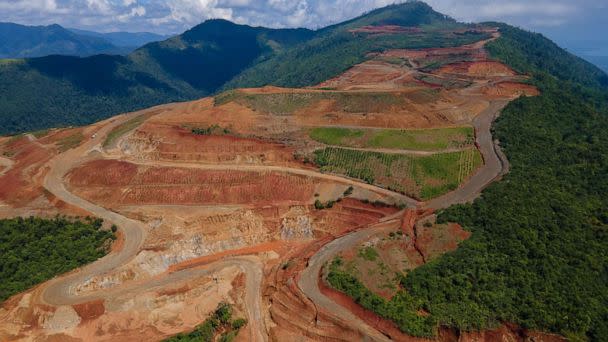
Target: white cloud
[(178, 15)]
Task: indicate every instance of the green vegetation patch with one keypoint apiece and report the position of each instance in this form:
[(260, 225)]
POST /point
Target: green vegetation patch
[(422, 139), (220, 323), (336, 136), (403, 309), (422, 177), (70, 142), (368, 253), (123, 129), (276, 104), (211, 130), (34, 250), (41, 133)]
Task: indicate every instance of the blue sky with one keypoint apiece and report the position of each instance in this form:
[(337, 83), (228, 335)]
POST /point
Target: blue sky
[(566, 21)]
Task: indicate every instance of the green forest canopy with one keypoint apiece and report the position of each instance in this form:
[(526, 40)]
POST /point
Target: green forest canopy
[(538, 255), (34, 250)]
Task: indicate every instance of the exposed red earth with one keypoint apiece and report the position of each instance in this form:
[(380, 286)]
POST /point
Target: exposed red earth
[(231, 217)]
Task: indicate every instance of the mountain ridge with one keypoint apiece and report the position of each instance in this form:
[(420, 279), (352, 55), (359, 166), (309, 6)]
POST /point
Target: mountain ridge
[(20, 41), (201, 62)]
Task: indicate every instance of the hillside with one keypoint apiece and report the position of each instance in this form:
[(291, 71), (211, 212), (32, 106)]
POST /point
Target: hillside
[(537, 253), (19, 41)]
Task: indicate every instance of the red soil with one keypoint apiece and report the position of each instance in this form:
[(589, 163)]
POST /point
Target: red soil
[(177, 143), (477, 69), (122, 183), (90, 310), (510, 90)]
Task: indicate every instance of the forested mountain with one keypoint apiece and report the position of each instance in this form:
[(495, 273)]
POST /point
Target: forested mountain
[(61, 90), (19, 41), (338, 47)]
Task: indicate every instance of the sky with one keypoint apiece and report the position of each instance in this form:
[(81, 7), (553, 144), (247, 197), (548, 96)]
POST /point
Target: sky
[(576, 24)]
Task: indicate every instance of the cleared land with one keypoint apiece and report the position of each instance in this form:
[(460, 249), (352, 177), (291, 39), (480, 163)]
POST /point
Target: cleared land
[(422, 177), (423, 139)]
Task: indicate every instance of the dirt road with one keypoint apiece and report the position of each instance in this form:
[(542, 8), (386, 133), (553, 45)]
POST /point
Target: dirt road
[(308, 281), (59, 291), (495, 165), (495, 162)]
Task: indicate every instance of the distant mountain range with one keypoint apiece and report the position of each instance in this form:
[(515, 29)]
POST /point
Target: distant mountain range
[(19, 41), (131, 40)]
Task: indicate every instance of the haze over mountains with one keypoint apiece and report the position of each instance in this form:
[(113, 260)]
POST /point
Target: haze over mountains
[(19, 41)]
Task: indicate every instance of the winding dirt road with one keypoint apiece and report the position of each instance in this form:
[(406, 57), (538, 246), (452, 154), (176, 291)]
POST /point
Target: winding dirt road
[(495, 162), (495, 165), (59, 291), (308, 280)]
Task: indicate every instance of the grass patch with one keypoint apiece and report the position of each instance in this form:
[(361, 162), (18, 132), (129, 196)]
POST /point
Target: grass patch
[(41, 133), (422, 177), (275, 104), (70, 142), (122, 129), (211, 130), (368, 253), (335, 135), (421, 139)]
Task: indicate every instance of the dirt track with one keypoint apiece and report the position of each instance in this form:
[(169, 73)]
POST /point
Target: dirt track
[(59, 291), (495, 165), (308, 280)]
